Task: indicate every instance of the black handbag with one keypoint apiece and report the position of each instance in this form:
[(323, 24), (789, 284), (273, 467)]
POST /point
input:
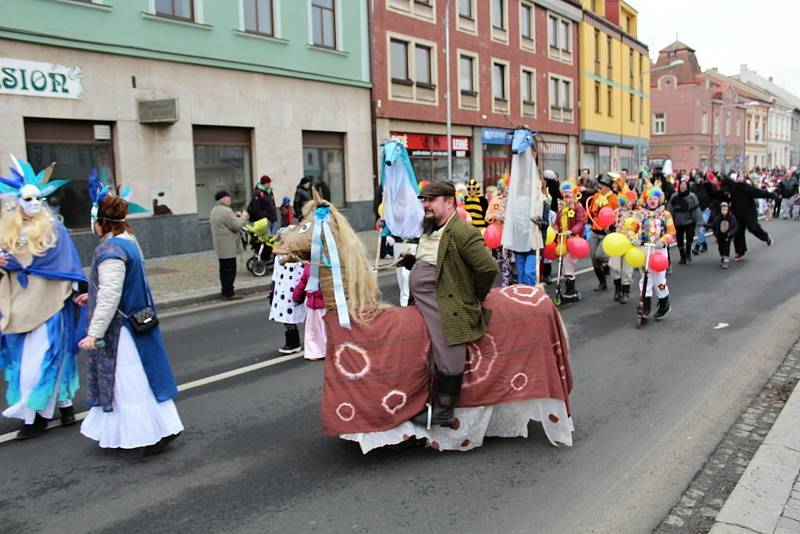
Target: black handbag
[(142, 321)]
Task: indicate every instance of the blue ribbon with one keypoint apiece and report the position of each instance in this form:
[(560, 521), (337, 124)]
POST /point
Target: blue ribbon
[(322, 226)]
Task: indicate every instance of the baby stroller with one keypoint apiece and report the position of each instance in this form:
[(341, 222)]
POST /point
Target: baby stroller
[(256, 238)]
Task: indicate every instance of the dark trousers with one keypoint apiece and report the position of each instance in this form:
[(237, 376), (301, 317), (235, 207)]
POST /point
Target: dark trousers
[(724, 246), (227, 274), (684, 235), (776, 210), (748, 222)]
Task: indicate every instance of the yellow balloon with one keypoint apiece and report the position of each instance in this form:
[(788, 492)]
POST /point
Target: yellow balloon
[(561, 248), (634, 257), (380, 209), (616, 244), (551, 235)]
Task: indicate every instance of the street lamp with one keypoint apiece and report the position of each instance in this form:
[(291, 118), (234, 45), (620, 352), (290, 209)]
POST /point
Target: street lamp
[(447, 90), (675, 63)]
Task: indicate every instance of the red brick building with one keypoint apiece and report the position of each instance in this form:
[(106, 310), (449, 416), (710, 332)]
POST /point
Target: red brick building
[(697, 118), (511, 62)]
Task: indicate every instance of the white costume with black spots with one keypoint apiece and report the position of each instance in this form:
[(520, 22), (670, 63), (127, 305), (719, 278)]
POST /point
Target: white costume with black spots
[(283, 309)]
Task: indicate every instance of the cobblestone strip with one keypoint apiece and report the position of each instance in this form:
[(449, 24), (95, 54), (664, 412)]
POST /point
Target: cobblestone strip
[(705, 496)]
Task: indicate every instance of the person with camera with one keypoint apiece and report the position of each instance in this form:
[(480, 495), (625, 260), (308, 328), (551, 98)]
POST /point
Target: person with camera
[(130, 383)]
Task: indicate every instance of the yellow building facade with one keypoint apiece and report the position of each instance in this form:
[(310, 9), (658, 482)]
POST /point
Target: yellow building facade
[(614, 88)]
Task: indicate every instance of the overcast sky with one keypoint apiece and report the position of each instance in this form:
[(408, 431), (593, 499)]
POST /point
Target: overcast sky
[(761, 34)]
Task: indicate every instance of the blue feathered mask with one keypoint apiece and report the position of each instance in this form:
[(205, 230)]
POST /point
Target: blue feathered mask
[(101, 185)]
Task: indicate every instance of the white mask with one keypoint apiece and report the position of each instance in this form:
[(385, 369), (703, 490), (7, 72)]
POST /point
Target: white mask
[(30, 199)]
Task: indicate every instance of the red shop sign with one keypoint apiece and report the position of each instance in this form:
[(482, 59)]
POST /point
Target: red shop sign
[(430, 142)]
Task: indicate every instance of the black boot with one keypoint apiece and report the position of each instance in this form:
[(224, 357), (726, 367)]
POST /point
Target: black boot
[(445, 398), (34, 429), (570, 293), (648, 301), (626, 293), (292, 345), (696, 250), (663, 309), (67, 415), (617, 289), (704, 247), (548, 273), (601, 277), (688, 255), (683, 256)]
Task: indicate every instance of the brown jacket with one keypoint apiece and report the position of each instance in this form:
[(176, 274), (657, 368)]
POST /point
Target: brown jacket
[(465, 273), (225, 226)]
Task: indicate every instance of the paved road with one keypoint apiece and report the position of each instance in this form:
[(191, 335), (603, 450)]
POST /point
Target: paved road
[(649, 407)]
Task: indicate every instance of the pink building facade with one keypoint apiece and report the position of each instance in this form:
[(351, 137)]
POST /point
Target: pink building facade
[(697, 119)]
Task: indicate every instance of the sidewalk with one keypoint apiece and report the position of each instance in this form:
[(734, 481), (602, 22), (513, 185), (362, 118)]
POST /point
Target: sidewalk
[(766, 500), (187, 279)]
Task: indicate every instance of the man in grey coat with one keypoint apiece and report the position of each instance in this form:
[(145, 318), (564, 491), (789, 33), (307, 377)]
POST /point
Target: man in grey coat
[(225, 227)]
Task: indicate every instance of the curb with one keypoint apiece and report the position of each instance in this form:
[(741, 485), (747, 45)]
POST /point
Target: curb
[(207, 297), (758, 500)]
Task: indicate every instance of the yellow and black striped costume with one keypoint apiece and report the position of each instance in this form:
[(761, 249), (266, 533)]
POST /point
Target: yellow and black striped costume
[(476, 207)]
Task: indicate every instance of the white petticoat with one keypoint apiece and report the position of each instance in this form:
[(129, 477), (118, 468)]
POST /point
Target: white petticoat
[(138, 419), (33, 351), (501, 420)]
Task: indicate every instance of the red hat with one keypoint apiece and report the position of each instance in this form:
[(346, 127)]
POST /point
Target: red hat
[(265, 180)]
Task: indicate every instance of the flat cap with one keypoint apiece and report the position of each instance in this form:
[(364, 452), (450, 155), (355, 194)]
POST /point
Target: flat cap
[(438, 189)]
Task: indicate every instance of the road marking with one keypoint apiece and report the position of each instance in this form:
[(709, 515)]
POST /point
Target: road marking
[(189, 385)]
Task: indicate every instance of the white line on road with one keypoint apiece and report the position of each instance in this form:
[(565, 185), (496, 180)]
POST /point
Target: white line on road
[(189, 385)]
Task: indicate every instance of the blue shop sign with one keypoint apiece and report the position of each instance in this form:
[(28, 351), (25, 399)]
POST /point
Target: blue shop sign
[(496, 136)]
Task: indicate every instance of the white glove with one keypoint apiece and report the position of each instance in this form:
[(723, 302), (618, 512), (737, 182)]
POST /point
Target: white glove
[(390, 241)]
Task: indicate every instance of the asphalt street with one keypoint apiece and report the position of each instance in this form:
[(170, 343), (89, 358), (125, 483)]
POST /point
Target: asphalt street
[(649, 406)]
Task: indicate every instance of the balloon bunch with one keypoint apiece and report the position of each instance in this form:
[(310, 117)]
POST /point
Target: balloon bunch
[(576, 246), (617, 244)]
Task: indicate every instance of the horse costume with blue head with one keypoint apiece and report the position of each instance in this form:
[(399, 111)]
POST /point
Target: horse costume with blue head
[(402, 210)]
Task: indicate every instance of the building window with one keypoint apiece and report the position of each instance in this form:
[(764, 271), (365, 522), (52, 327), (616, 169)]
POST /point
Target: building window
[(179, 9), (258, 16), (498, 14), (728, 124), (716, 123), (659, 123), (631, 108), (597, 97), (609, 101), (467, 81), (323, 23), (597, 51), (609, 54), (560, 96), (500, 87), (641, 110), (407, 56), (631, 68), (423, 9), (399, 59), (559, 38), (465, 9), (526, 26), (323, 162), (423, 65), (528, 91), (222, 160), (738, 127), (704, 123), (77, 146)]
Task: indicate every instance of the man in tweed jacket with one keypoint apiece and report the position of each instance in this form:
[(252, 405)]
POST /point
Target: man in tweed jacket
[(452, 273)]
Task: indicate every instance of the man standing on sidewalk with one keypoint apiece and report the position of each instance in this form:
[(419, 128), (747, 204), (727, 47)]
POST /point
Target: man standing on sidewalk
[(225, 227)]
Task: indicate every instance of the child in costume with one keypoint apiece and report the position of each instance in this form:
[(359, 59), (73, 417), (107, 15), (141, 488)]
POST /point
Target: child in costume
[(569, 221), (657, 231), (605, 197), (496, 214), (475, 204), (39, 275), (314, 335), (621, 272), (724, 227)]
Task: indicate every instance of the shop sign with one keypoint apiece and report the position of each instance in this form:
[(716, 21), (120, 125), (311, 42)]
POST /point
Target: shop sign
[(33, 78), (496, 136), (158, 111), (427, 145)]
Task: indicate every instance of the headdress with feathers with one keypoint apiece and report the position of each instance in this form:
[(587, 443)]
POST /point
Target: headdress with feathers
[(22, 174), (101, 185)]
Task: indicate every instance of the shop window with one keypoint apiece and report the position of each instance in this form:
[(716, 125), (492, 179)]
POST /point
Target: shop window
[(323, 162), (323, 23), (428, 155), (603, 159), (527, 87), (222, 160), (559, 38), (178, 9), (527, 26), (553, 156), (76, 147), (258, 16)]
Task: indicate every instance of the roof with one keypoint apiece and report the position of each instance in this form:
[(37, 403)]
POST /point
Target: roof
[(677, 45)]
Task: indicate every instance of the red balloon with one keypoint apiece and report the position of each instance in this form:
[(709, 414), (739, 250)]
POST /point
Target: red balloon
[(493, 236), (463, 214), (550, 251), (605, 217), (578, 247), (658, 262)]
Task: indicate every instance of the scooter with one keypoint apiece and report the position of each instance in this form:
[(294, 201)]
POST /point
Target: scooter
[(641, 318), (562, 299)]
